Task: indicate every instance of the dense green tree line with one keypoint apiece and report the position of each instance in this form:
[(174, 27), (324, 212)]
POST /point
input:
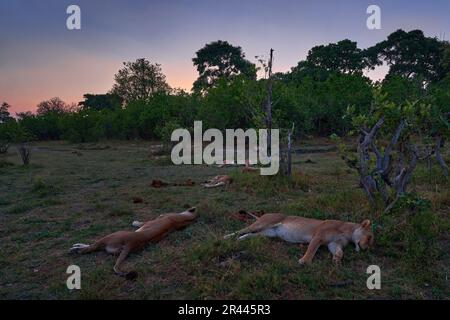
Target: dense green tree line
[(315, 94)]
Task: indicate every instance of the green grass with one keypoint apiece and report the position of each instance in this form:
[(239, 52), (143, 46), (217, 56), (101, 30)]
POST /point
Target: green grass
[(63, 198)]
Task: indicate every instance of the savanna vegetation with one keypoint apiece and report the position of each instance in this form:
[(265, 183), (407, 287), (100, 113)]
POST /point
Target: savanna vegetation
[(315, 94), (362, 149)]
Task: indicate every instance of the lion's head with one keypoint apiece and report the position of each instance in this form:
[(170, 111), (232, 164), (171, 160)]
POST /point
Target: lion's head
[(363, 236)]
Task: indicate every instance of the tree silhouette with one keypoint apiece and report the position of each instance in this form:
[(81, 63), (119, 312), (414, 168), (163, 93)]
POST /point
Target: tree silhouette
[(139, 80), (220, 60), (5, 116), (54, 105)]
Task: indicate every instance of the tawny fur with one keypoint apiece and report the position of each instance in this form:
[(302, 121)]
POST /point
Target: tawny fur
[(217, 181), (333, 233), (249, 168), (124, 242)]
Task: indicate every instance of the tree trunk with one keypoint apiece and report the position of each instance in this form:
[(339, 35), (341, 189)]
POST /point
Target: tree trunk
[(403, 178), (439, 145), (289, 150), (269, 105)]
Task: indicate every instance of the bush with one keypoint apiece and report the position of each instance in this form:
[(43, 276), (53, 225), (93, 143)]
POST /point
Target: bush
[(414, 227), (165, 133), (4, 147), (319, 106), (232, 105), (82, 126)]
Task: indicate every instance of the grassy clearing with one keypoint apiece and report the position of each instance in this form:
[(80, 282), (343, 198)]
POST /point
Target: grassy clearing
[(76, 193)]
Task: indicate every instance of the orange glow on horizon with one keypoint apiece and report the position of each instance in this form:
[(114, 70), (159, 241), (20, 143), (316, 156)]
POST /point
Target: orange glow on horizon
[(28, 88)]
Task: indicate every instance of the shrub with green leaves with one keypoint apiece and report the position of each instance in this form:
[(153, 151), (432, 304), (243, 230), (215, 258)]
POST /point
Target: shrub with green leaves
[(393, 135)]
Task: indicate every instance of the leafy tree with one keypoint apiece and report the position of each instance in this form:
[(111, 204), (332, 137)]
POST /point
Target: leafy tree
[(439, 120), (12, 131), (145, 119), (140, 119), (82, 126), (445, 60), (111, 123), (439, 94), (5, 116), (23, 115), (343, 56), (8, 127), (220, 60), (139, 80), (54, 105), (101, 101), (411, 54), (44, 126), (400, 89), (325, 60), (235, 104), (303, 70), (319, 106)]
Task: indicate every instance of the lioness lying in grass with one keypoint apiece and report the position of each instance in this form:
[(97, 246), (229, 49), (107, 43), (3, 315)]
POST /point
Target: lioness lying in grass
[(122, 243), (333, 233)]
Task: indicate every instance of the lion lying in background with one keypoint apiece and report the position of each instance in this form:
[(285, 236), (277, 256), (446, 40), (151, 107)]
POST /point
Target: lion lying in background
[(217, 181)]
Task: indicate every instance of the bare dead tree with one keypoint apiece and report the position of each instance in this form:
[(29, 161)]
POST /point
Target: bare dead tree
[(286, 152), (289, 150), (403, 178), (25, 153), (437, 151), (366, 139), (390, 177), (386, 164), (286, 157), (268, 104)]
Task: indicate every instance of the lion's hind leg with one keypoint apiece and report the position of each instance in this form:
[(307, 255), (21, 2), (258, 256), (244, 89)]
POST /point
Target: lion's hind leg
[(247, 235), (244, 233), (264, 226), (86, 248)]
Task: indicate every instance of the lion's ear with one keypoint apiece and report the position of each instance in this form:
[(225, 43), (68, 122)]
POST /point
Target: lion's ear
[(365, 223)]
